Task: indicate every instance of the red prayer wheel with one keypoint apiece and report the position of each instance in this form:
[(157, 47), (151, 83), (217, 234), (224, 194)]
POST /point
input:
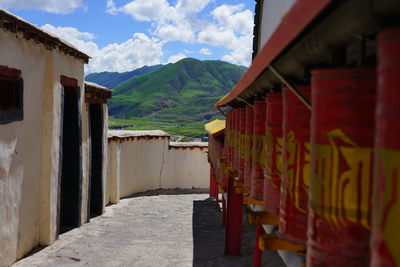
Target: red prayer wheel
[(296, 166), (224, 179), (342, 135), (217, 152), (236, 163), (258, 148), (248, 146), (385, 245), (227, 135), (233, 133), (225, 161), (232, 138), (242, 134), (273, 153), (224, 169)]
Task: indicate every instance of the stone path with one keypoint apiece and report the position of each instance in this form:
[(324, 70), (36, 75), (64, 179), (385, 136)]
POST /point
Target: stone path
[(163, 230)]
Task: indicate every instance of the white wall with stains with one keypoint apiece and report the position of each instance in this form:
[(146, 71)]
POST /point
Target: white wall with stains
[(272, 14), (145, 161), (29, 149), (113, 173), (186, 166), (141, 162)]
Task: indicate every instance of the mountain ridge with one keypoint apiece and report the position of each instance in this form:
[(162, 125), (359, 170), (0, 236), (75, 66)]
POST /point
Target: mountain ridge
[(174, 97), (112, 79)]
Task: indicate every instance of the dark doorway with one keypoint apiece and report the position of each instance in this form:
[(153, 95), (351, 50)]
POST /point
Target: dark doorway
[(95, 205), (71, 157)]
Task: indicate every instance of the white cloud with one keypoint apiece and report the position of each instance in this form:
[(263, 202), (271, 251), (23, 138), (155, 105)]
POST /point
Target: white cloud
[(175, 58), (233, 29), (81, 40), (205, 51), (52, 6), (136, 52), (240, 52), (111, 8), (231, 26), (191, 6), (170, 23), (234, 17), (172, 32), (145, 10), (213, 35)]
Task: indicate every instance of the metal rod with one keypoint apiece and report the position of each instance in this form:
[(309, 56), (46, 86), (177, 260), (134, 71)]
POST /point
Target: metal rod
[(247, 103), (287, 84), (221, 112)]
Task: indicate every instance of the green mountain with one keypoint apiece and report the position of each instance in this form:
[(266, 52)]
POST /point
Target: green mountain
[(178, 96), (112, 79)]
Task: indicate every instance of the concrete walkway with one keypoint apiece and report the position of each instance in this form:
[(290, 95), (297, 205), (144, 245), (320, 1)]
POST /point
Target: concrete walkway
[(163, 230)]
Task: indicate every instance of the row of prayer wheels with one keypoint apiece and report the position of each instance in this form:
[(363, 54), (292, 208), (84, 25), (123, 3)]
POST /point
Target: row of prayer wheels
[(331, 173)]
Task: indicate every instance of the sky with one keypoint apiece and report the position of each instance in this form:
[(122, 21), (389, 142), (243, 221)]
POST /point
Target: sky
[(122, 35)]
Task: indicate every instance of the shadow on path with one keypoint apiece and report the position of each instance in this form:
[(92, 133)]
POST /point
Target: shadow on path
[(208, 240), (176, 191)]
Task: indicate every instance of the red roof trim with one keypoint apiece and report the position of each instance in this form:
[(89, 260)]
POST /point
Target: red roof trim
[(295, 21), (68, 82), (9, 72)]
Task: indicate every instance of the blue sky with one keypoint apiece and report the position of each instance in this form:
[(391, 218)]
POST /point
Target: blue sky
[(122, 35)]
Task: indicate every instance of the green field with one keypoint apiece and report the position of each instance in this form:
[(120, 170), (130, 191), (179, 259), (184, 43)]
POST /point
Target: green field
[(193, 129)]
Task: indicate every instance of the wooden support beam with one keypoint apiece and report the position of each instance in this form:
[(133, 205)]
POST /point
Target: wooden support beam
[(221, 189), (239, 189), (232, 172), (238, 183), (250, 201), (257, 218), (273, 242), (242, 190)]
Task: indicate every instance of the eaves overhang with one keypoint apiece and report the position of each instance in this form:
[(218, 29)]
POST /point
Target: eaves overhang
[(308, 37), (293, 23)]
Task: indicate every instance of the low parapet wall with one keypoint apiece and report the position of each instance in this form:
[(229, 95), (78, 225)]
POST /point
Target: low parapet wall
[(145, 160), (186, 166)]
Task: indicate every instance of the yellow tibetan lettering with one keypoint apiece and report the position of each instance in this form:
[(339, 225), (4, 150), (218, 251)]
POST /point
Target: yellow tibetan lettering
[(387, 209), (278, 154), (342, 180), (291, 157)]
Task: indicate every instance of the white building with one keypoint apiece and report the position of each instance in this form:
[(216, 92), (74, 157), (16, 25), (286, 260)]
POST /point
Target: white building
[(44, 138)]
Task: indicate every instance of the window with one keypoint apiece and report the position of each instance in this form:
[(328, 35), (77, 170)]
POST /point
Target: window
[(11, 95)]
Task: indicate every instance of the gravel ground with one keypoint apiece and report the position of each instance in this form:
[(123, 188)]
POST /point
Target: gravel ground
[(172, 229)]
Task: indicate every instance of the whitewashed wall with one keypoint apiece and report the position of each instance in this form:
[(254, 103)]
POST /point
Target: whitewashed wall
[(271, 16), (29, 149), (137, 164), (186, 167), (113, 173), (141, 162)]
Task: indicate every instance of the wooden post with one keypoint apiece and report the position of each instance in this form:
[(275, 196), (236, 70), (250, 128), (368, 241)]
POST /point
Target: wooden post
[(223, 210), (234, 222), (257, 255)]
